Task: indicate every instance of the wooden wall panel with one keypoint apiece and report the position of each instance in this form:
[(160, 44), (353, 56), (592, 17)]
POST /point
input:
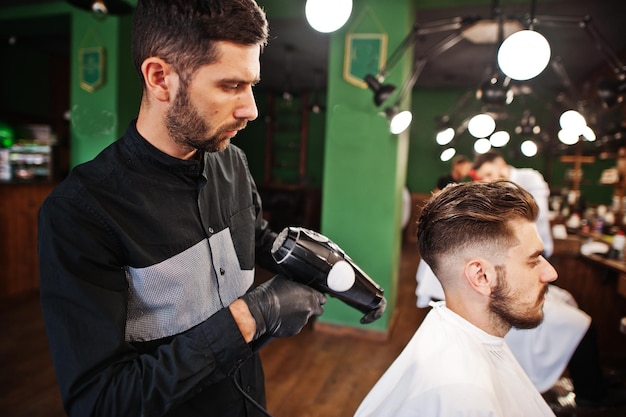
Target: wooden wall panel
[(594, 286), (19, 205)]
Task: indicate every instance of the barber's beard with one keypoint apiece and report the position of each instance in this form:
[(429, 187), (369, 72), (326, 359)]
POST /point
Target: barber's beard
[(504, 305), (187, 128)]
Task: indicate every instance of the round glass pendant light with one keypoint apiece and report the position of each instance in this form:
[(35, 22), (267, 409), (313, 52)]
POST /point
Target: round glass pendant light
[(573, 121), (327, 15), (445, 136), (524, 54), (482, 145), (481, 125), (499, 138), (529, 148), (447, 154), (568, 137), (589, 134)]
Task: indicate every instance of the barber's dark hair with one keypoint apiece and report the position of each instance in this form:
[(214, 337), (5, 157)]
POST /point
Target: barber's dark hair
[(483, 158), (183, 32), (472, 213)]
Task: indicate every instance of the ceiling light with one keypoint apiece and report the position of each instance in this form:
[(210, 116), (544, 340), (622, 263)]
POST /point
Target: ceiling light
[(524, 55), (447, 154), (481, 125), (573, 121), (529, 148), (327, 15), (399, 121), (589, 134), (567, 137), (499, 138), (482, 145), (445, 136)]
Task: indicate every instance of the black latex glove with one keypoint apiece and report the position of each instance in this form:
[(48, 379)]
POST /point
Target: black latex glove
[(282, 307)]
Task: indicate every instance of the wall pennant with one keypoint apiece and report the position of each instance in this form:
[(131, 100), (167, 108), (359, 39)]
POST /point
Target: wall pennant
[(91, 68)]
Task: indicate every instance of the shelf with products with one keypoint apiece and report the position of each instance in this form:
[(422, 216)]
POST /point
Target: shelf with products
[(28, 154)]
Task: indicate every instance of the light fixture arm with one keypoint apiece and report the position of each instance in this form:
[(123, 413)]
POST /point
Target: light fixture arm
[(437, 49), (603, 46), (586, 23), (419, 29)]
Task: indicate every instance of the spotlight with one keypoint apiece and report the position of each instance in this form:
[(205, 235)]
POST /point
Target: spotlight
[(447, 154), (399, 121), (481, 125), (529, 148), (381, 91), (573, 121), (568, 137), (445, 131), (482, 145), (499, 139), (445, 136)]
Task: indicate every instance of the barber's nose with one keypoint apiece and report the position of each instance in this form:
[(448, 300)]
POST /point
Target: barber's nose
[(246, 107)]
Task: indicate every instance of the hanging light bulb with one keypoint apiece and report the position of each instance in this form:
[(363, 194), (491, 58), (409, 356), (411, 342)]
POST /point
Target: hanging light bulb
[(481, 125), (567, 137), (447, 154), (499, 138), (524, 55), (573, 121), (589, 134), (327, 15), (445, 136), (482, 145), (529, 148)]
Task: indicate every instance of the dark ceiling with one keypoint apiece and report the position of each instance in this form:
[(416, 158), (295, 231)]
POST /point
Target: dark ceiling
[(296, 53), (296, 57)]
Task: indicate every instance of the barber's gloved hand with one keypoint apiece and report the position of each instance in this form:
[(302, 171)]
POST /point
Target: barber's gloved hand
[(282, 307)]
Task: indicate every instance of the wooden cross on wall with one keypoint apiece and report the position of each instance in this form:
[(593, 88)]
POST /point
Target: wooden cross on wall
[(577, 172)]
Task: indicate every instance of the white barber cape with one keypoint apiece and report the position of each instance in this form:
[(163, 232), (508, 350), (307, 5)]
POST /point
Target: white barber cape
[(543, 352), (452, 368)]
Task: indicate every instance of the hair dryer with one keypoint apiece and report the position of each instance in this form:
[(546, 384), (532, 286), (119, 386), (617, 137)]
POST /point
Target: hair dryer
[(312, 259)]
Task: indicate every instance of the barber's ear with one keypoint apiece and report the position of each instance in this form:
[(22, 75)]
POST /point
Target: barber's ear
[(160, 78), (479, 275)]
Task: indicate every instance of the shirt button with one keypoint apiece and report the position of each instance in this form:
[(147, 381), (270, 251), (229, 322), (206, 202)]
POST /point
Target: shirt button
[(211, 230), (222, 271)]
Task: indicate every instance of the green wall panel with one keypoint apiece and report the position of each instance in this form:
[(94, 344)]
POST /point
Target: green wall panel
[(364, 165)]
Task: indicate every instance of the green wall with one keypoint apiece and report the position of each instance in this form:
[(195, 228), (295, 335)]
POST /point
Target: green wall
[(99, 117), (364, 165)]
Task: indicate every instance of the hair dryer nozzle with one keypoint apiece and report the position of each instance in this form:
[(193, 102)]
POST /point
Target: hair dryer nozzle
[(311, 258)]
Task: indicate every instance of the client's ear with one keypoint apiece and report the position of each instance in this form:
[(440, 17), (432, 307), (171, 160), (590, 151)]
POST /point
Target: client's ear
[(479, 273)]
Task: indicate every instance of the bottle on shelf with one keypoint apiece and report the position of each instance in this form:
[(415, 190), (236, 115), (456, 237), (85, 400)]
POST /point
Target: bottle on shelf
[(617, 247)]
